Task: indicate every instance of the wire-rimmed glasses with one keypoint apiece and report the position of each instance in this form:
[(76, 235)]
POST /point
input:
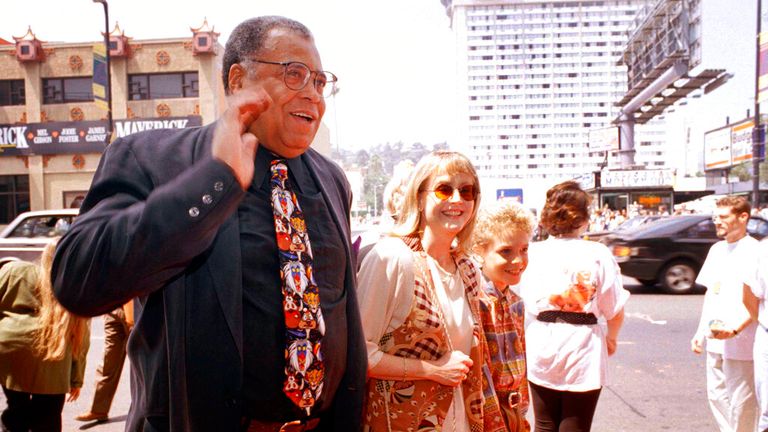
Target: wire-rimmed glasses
[(296, 75)]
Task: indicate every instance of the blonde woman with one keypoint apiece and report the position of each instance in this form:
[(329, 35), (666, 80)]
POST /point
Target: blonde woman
[(42, 347), (419, 302)]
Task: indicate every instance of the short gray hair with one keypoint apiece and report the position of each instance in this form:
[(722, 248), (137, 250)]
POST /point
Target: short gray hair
[(249, 37)]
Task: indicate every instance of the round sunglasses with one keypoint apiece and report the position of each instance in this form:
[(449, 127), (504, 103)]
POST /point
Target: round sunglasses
[(444, 192)]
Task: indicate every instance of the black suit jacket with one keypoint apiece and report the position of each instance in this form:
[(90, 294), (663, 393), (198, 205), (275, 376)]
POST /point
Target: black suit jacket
[(160, 223)]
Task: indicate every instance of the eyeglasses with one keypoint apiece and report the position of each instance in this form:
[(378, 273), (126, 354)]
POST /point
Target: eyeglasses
[(444, 192), (296, 75)]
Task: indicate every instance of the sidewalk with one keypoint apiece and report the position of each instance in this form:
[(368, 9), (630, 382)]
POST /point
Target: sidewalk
[(120, 405)]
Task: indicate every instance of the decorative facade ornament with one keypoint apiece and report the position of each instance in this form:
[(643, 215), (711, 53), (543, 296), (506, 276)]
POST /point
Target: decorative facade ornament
[(43, 117), (23, 118), (204, 39), (76, 114), (130, 114), (118, 43), (75, 62), (78, 161), (163, 110), (24, 159), (29, 48), (162, 58)]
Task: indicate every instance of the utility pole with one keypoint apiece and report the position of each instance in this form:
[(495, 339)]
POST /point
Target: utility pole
[(758, 134), (109, 72)]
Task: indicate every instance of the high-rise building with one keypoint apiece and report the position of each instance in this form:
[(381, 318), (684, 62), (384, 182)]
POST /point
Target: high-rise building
[(534, 78)]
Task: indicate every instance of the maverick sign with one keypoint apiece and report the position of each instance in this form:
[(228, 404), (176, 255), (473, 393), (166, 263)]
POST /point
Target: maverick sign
[(78, 137)]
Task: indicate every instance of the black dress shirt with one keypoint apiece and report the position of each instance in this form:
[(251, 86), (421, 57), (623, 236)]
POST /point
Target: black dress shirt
[(263, 321)]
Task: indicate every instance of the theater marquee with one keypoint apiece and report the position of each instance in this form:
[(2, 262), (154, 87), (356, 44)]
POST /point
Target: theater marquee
[(78, 137)]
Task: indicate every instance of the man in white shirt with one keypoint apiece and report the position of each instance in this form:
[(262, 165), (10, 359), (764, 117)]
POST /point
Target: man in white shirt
[(725, 323), (755, 299)]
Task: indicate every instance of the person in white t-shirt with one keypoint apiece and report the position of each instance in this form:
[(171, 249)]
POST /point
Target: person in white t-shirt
[(725, 323), (570, 284), (755, 298)]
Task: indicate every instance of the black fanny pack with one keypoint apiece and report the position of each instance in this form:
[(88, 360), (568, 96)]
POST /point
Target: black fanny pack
[(576, 318)]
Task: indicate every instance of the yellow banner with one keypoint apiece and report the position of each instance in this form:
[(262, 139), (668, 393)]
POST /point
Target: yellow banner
[(100, 85)]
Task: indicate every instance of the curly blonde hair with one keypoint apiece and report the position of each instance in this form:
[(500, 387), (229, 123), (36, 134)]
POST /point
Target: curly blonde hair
[(59, 329), (498, 218)]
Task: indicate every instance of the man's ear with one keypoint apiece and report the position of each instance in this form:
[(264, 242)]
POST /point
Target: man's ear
[(744, 216), (237, 74)]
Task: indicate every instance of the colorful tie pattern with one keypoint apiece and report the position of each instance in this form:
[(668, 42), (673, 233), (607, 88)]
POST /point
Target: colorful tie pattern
[(304, 325)]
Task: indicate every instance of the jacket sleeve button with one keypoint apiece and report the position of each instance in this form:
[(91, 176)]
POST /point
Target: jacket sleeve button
[(207, 199), (194, 211), (218, 186)]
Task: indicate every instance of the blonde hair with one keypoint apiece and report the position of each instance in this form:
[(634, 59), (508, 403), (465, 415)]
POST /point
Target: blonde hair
[(393, 192), (499, 218), (59, 329), (438, 162)]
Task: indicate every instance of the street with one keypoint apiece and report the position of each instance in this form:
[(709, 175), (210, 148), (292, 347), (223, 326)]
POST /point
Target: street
[(655, 382)]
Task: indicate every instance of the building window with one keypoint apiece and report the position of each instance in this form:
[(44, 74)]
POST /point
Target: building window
[(163, 86), (14, 196), (62, 90), (11, 92)]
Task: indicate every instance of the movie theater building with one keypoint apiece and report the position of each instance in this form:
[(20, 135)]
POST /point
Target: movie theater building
[(53, 125)]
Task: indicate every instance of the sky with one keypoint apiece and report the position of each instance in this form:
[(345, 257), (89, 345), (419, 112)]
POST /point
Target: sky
[(395, 60)]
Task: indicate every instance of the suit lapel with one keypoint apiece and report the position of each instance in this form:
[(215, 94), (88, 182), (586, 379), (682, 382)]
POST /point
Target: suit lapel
[(333, 200), (224, 266), (224, 262)]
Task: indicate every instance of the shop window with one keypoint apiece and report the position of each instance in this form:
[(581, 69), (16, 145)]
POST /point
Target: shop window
[(63, 90), (12, 92), (163, 86), (14, 196)]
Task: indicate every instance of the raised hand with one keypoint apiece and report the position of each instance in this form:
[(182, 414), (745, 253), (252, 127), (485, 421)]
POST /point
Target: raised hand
[(233, 144)]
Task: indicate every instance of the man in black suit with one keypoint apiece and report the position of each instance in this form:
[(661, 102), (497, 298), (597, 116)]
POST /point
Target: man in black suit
[(183, 221)]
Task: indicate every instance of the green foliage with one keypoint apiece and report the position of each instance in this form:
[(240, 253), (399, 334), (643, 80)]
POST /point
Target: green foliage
[(377, 164), (742, 171), (373, 184)]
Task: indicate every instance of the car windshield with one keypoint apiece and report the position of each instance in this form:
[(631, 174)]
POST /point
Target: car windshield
[(635, 222), (42, 226), (666, 226)]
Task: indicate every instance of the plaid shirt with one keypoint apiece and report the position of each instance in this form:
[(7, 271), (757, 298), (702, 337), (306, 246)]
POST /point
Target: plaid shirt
[(503, 316)]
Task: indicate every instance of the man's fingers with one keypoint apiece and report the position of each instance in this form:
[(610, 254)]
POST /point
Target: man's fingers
[(255, 106), (250, 142), (251, 111)]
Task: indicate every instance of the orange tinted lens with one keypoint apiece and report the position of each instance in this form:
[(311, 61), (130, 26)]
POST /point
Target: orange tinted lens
[(467, 193), (443, 192)]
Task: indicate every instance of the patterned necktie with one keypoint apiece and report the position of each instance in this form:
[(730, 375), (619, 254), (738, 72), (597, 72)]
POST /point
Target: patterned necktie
[(304, 325)]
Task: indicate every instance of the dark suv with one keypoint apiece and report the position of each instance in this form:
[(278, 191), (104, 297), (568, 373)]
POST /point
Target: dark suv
[(670, 251)]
